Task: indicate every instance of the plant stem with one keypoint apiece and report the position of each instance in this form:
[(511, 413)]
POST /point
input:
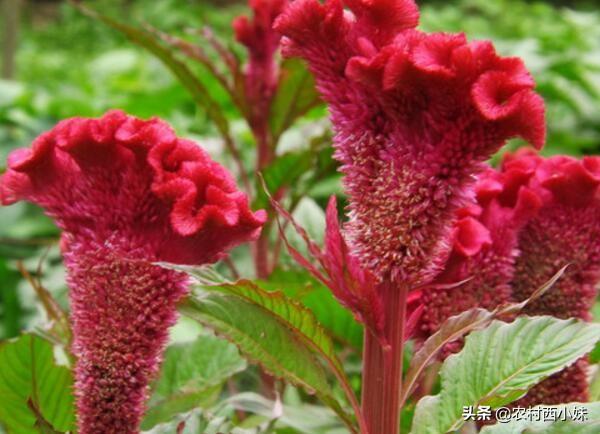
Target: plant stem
[(261, 254), (261, 265), (382, 369)]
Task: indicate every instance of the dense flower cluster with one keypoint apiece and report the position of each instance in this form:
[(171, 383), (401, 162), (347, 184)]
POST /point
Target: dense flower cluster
[(534, 216), (126, 193), (481, 266), (415, 115), (569, 385)]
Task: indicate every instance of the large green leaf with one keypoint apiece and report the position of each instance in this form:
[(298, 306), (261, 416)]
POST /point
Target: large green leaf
[(595, 354), (274, 331), (35, 394), (459, 325), (293, 314), (191, 375), (595, 387), (582, 418), (499, 364)]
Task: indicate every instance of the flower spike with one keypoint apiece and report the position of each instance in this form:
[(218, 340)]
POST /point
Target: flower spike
[(261, 74)]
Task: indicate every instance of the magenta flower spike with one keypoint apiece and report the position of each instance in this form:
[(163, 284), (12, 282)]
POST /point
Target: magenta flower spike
[(261, 75), (126, 193), (565, 231), (262, 42), (415, 115), (481, 267)]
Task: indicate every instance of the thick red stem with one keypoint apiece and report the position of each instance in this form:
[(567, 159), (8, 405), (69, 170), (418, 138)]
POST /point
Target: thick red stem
[(266, 152), (382, 369)]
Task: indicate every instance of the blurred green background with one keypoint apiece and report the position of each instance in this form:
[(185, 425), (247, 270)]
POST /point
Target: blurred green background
[(58, 63)]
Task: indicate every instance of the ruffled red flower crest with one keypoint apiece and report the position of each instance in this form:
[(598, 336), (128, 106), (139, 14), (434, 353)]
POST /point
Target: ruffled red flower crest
[(120, 174)]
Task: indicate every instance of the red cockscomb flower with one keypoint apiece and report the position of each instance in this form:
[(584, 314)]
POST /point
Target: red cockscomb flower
[(126, 193), (483, 254), (566, 231), (415, 115)]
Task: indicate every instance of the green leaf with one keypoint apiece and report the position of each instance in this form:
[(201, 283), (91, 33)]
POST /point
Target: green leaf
[(272, 330), (595, 387), (590, 412), (296, 95), (595, 354), (452, 329), (303, 418), (300, 170), (10, 307), (190, 377), (36, 394), (459, 325), (499, 364), (296, 316), (283, 172), (337, 320)]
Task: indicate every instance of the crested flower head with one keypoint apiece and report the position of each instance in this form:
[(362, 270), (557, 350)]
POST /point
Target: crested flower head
[(126, 193), (484, 249), (415, 115), (131, 183)]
